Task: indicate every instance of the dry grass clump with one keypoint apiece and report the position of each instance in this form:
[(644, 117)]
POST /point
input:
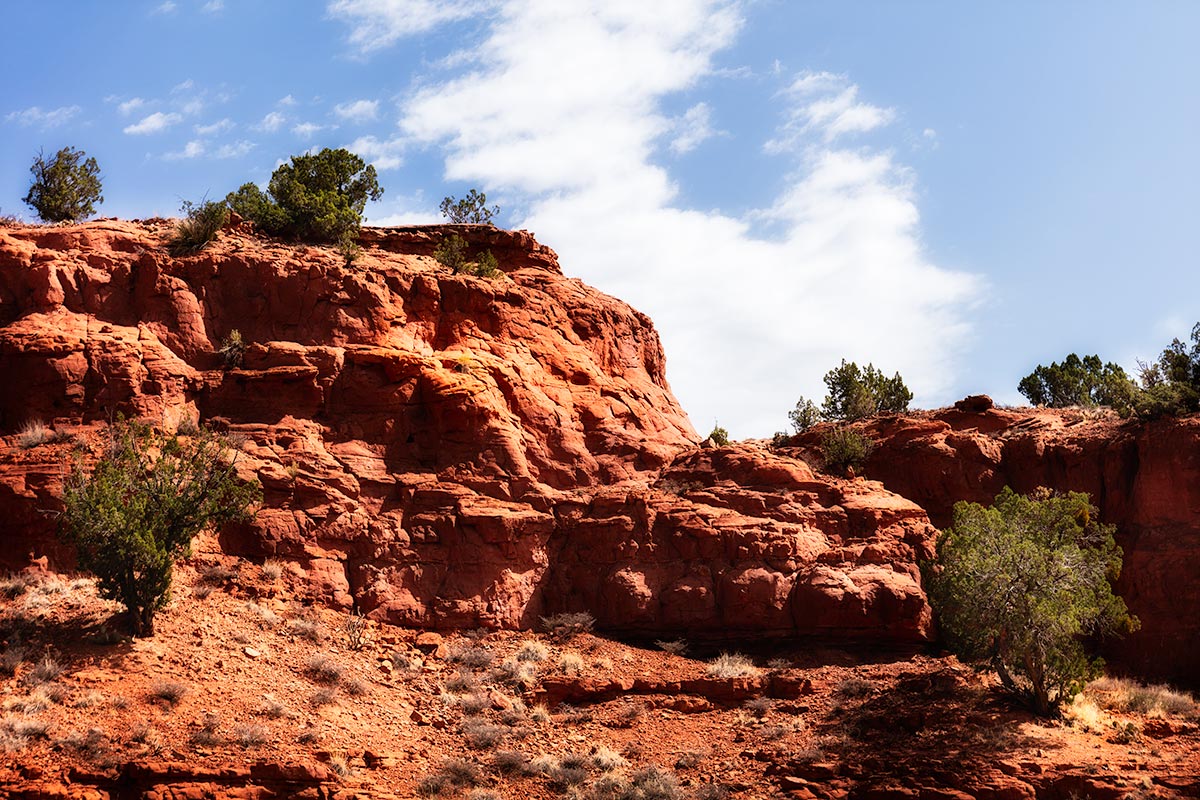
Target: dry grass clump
[(250, 735), (272, 708), (510, 762), (13, 586), (759, 706), (473, 657), (324, 697), (564, 626), (730, 665), (1128, 696), (265, 617), (168, 691), (462, 683), (208, 733), (571, 663), (455, 774), (305, 629), (532, 650), (512, 672), (323, 669), (11, 659), (481, 734), (272, 569), (854, 688), (33, 434), (675, 647), (45, 670)]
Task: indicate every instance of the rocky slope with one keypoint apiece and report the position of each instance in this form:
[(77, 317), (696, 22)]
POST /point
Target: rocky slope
[(438, 450)]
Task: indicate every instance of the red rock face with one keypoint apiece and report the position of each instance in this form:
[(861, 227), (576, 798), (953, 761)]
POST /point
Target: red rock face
[(441, 450), (1145, 479)]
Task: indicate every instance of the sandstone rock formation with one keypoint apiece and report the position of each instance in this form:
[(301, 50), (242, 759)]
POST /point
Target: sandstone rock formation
[(439, 450)]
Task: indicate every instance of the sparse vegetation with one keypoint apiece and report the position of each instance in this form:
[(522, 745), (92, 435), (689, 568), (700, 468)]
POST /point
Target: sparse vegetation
[(675, 647), (1129, 696), (169, 691), (571, 663), (1018, 585), (272, 569), (136, 512), (564, 626), (730, 665), (199, 226), (34, 433), (356, 629), (46, 669), (471, 209), (317, 197), (66, 188), (250, 735), (452, 253), (323, 669), (480, 734), (719, 436), (804, 415), (844, 450), (532, 650), (232, 350)]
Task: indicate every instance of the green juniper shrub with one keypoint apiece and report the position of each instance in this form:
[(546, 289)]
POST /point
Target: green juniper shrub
[(316, 197), (856, 393), (719, 436), (199, 226), (65, 188), (451, 252), (135, 512), (1020, 585), (844, 449), (1077, 382), (804, 415), (485, 265), (471, 209)]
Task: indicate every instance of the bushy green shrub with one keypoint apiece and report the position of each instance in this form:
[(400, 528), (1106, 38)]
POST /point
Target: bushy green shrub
[(135, 513), (199, 225), (844, 449), (471, 209), (1020, 584), (856, 393), (1077, 382), (804, 415), (317, 197), (719, 436), (485, 265), (1171, 385), (451, 252), (66, 188)]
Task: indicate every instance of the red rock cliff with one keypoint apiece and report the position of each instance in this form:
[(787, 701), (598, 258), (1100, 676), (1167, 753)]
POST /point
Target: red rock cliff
[(441, 450)]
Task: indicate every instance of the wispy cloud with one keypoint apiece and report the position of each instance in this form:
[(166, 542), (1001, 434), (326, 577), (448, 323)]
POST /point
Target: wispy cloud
[(272, 122), (36, 116), (234, 150), (165, 8), (306, 130), (827, 105), (213, 6), (694, 128), (154, 123), (193, 149), (287, 101), (388, 154), (220, 126), (752, 309), (129, 106), (357, 111), (378, 23)]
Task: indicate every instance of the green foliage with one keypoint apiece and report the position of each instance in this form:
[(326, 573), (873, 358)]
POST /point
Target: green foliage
[(66, 188), (452, 252), (317, 197), (472, 208), (844, 449), (719, 436), (804, 415), (348, 248), (856, 393), (1020, 584), (1171, 385), (199, 225), (1077, 382), (135, 514)]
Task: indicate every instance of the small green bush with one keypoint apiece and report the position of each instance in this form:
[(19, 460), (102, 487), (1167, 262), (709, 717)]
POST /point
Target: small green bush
[(719, 436), (804, 415), (135, 513), (452, 252), (485, 265), (317, 197), (844, 449), (856, 393), (66, 188), (199, 226), (471, 209)]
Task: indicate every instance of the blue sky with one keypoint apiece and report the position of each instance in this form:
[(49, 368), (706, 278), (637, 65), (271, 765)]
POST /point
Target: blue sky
[(958, 191)]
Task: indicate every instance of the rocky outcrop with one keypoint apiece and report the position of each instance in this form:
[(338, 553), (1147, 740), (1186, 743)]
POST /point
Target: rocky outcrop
[(1144, 478), (439, 450)]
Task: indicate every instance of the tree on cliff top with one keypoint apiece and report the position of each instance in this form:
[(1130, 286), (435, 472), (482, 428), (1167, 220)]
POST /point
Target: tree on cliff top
[(318, 197), (1077, 382), (471, 209), (66, 188), (854, 393), (1018, 585), (136, 512)]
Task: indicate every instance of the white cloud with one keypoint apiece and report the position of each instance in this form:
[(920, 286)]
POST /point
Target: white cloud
[(357, 111), (693, 129), (35, 115), (130, 105), (193, 149), (566, 117), (183, 86), (286, 101), (165, 8), (272, 122), (155, 123), (213, 6), (379, 23), (382, 154), (825, 105), (220, 126), (234, 150), (306, 130)]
